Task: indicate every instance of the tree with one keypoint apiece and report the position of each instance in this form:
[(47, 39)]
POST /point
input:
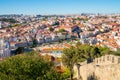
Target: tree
[(68, 59), (19, 50), (28, 66), (61, 30), (51, 29), (34, 39), (82, 52), (44, 19), (35, 42), (104, 50), (116, 53), (11, 20), (81, 57)]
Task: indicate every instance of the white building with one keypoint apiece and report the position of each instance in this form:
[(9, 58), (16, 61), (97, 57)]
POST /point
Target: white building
[(4, 48), (0, 24)]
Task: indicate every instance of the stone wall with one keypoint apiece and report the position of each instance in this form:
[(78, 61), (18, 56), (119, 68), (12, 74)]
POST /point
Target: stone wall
[(103, 68)]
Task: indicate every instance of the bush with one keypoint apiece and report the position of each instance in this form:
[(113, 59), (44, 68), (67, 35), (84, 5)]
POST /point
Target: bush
[(28, 66)]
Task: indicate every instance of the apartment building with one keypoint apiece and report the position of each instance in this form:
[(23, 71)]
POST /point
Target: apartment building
[(4, 48), (0, 24)]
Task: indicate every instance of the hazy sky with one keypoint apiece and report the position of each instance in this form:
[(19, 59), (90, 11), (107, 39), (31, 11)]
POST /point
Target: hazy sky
[(59, 6)]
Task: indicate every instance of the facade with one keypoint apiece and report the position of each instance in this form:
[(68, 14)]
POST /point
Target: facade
[(0, 24), (103, 68), (56, 52), (4, 48)]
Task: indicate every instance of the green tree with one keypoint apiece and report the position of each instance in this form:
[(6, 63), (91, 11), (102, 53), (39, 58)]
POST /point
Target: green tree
[(28, 66), (94, 52), (81, 57), (68, 59), (116, 53), (61, 30), (11, 20), (82, 52), (104, 51), (35, 42), (19, 50), (51, 29)]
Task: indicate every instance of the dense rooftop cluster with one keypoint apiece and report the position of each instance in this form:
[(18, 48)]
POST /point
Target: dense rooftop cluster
[(100, 30)]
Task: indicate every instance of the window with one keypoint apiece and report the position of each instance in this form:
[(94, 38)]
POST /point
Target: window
[(97, 60), (57, 51), (118, 60), (108, 58), (60, 51), (112, 59), (100, 60), (103, 59)]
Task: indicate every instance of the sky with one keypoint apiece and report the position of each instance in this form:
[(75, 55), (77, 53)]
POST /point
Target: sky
[(48, 7)]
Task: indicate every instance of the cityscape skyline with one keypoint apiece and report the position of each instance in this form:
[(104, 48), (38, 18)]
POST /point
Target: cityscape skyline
[(50, 7), (59, 39)]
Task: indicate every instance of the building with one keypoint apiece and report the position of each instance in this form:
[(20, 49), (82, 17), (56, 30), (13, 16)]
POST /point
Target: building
[(54, 50), (4, 48), (0, 24)]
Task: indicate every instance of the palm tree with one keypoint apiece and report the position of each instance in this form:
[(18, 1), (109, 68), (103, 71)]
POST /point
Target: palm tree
[(80, 57), (68, 59)]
